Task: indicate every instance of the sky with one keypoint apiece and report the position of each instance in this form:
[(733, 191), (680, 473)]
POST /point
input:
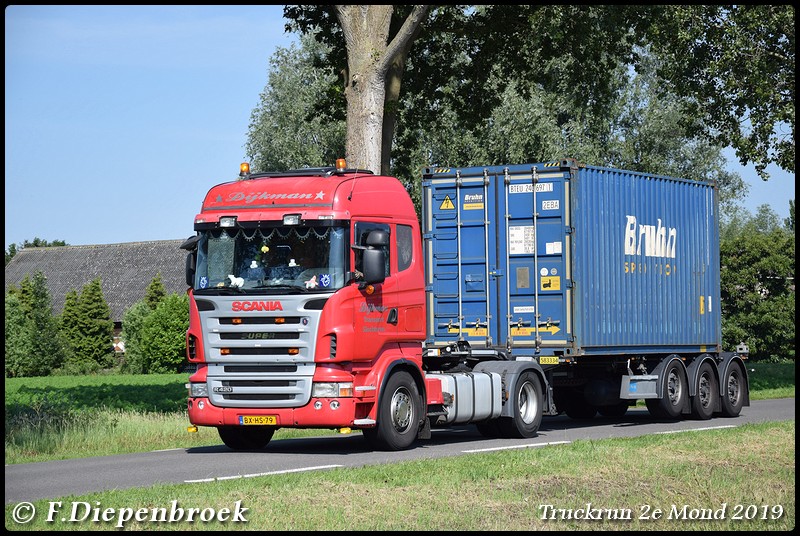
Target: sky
[(119, 119)]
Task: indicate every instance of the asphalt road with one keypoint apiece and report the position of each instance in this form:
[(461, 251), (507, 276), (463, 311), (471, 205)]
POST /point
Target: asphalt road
[(196, 466)]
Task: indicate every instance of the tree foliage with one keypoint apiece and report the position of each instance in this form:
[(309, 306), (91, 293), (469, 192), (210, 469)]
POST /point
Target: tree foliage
[(93, 347), (732, 66), (34, 329), (18, 341), (735, 67), (288, 129), (69, 323), (37, 242), (155, 291), (163, 335), (136, 359), (757, 280), (79, 341)]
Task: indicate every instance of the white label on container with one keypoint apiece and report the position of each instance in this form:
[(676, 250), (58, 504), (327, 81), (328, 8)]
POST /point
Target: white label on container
[(520, 240), (528, 188), (553, 248), (553, 204), (524, 309)]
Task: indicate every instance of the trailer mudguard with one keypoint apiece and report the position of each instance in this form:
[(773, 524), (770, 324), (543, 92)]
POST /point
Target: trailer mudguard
[(659, 371), (694, 366)]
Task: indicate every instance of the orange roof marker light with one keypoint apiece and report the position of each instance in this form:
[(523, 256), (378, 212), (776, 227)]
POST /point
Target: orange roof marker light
[(244, 170), (341, 164)]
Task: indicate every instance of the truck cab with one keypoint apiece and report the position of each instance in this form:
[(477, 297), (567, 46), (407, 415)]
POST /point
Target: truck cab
[(307, 293)]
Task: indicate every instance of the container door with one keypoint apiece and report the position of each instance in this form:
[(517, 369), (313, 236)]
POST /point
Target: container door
[(496, 256), (459, 279), (532, 242)]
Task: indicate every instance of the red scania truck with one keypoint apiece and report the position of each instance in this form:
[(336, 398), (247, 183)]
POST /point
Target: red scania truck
[(317, 301)]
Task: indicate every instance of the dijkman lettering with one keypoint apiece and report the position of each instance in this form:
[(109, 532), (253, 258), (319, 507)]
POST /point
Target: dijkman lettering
[(656, 240), (258, 196)]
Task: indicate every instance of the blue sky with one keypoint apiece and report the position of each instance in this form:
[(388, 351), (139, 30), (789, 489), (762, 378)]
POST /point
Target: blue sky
[(120, 118)]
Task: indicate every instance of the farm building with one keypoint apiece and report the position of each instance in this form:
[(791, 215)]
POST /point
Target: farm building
[(125, 271)]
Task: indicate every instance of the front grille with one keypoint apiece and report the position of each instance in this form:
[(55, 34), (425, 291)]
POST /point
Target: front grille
[(259, 351), (258, 398), (259, 336), (260, 359), (255, 320), (258, 383), (258, 369)]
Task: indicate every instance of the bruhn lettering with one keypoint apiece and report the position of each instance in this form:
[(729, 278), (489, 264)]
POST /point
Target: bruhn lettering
[(656, 240)]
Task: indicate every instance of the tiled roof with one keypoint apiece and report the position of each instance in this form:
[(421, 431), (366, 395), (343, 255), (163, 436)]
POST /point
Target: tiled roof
[(125, 270)]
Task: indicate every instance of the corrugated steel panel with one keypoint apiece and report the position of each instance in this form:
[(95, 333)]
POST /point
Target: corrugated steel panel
[(575, 259)]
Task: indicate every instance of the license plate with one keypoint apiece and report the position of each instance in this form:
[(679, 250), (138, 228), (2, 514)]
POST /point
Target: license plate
[(258, 420), (548, 360)]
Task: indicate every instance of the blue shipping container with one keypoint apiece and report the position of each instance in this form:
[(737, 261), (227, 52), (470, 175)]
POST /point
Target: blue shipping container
[(567, 259)]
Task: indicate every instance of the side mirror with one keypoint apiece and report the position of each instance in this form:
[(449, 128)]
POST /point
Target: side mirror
[(190, 245), (374, 266), (190, 268), (377, 239)]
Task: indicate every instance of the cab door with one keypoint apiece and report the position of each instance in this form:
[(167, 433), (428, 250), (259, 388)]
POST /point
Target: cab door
[(375, 307)]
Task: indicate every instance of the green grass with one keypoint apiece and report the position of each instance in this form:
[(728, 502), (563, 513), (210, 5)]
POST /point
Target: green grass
[(748, 471), (771, 380), (53, 418)]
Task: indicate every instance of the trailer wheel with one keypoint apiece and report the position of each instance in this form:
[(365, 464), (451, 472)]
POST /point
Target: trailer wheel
[(733, 386), (246, 437), (528, 410), (674, 394), (706, 393), (398, 414)]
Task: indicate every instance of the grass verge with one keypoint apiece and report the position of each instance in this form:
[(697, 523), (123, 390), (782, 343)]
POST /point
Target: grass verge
[(744, 476)]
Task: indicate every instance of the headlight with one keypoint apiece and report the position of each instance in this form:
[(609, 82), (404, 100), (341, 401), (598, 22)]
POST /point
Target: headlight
[(198, 390), (332, 390)]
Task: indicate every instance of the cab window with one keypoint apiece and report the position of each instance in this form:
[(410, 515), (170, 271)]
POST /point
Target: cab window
[(361, 230)]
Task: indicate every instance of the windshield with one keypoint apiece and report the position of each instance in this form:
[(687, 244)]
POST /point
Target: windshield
[(281, 257)]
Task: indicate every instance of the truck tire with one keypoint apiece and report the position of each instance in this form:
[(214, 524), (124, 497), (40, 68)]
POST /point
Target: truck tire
[(489, 429), (246, 437), (528, 409), (706, 393), (399, 414), (674, 394), (734, 386)]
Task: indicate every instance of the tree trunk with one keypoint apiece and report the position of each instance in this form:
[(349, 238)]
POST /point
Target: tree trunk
[(369, 57)]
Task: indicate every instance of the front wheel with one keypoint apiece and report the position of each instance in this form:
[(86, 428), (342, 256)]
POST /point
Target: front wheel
[(399, 414), (245, 437), (528, 410)]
